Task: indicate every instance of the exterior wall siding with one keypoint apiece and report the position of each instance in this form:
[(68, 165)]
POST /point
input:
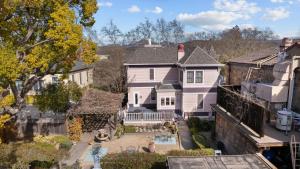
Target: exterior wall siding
[(161, 74), (144, 95), (190, 102), (210, 78), (86, 77), (175, 94)]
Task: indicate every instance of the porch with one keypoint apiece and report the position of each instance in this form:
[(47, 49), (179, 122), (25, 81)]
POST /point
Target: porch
[(144, 116)]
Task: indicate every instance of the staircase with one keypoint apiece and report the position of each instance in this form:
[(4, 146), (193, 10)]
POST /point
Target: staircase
[(295, 152)]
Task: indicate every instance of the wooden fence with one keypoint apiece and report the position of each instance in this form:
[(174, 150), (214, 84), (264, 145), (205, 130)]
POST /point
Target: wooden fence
[(242, 108)]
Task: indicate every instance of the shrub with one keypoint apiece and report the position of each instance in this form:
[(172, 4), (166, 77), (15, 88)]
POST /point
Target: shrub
[(199, 124), (134, 161), (129, 129), (75, 129), (63, 141), (200, 140), (119, 131), (197, 152)]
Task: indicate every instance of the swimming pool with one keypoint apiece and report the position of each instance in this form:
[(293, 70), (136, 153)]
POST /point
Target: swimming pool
[(165, 139), (88, 154)]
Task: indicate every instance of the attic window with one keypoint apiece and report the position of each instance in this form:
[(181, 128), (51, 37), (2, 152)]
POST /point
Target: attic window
[(151, 74)]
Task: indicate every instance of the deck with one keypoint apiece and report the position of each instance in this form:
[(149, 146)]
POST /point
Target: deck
[(274, 137)]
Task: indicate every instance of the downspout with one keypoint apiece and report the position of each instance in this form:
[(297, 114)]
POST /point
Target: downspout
[(292, 81)]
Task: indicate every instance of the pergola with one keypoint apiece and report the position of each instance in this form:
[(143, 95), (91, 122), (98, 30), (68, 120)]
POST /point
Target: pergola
[(97, 108)]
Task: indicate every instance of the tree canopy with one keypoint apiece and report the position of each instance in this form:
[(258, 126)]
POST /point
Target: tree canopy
[(41, 37)]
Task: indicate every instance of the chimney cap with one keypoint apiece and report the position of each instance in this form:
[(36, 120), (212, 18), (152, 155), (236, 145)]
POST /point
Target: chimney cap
[(181, 47)]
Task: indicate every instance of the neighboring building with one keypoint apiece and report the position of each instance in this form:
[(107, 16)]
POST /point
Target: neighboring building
[(238, 68), (82, 74), (167, 79), (249, 161)]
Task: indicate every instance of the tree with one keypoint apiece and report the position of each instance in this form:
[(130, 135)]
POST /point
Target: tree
[(38, 38), (163, 30), (177, 30), (57, 97), (146, 29), (112, 32)]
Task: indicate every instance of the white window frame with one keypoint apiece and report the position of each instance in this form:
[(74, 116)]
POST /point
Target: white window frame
[(187, 76), (170, 101), (202, 102), (153, 74), (202, 76), (194, 76)]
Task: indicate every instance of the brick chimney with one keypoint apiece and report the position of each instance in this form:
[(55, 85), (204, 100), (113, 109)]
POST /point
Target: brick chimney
[(285, 43), (180, 51)]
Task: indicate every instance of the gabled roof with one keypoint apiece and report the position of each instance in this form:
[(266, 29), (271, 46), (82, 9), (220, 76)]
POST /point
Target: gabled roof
[(153, 55), (254, 57), (168, 55), (198, 57)]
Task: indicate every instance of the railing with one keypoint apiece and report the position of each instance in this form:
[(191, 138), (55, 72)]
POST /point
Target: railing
[(242, 108), (144, 117)]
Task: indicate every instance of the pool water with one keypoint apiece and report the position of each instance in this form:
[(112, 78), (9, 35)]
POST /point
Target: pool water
[(165, 139), (88, 155)]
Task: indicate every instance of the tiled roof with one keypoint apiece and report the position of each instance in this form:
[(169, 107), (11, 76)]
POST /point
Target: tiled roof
[(254, 57), (198, 56), (168, 55), (153, 55)]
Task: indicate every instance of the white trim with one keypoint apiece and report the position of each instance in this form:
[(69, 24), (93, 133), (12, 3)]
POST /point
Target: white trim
[(134, 101), (153, 74), (165, 100), (194, 70)]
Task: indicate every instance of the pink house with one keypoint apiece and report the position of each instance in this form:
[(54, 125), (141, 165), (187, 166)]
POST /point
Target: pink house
[(168, 79)]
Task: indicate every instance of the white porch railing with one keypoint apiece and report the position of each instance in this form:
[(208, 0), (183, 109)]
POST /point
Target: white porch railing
[(146, 117)]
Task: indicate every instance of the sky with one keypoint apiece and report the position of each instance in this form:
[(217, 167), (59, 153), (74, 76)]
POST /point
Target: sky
[(282, 16)]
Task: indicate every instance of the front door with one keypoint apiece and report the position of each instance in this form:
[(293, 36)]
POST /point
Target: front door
[(136, 100)]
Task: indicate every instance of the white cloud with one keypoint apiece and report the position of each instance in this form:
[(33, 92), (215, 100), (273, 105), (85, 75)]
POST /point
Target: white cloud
[(282, 1), (104, 4), (134, 9), (276, 14), (156, 10), (216, 20), (238, 6), (246, 26)]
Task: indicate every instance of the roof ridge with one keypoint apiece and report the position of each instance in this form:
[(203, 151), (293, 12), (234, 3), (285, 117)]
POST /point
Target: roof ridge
[(209, 55), (190, 55)]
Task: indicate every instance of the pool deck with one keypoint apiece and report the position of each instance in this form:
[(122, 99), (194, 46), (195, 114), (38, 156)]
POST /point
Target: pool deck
[(138, 142)]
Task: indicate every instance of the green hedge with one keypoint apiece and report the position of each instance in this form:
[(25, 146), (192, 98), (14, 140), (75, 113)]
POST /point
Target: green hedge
[(199, 124), (134, 161), (129, 129)]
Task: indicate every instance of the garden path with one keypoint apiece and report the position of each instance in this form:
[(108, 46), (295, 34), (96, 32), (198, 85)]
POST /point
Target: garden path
[(78, 149), (185, 136)]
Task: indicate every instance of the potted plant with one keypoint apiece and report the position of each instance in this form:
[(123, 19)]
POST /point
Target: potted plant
[(151, 147)]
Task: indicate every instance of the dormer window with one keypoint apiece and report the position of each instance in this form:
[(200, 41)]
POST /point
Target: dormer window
[(151, 74)]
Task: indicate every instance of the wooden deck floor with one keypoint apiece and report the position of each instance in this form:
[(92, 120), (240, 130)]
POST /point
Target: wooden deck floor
[(274, 137)]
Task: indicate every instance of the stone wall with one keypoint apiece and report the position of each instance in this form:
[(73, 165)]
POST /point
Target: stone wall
[(231, 135), (237, 72)]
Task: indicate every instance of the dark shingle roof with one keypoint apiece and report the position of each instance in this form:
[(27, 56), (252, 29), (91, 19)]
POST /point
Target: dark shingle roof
[(80, 65), (153, 55), (168, 55), (198, 56), (169, 87), (254, 57)]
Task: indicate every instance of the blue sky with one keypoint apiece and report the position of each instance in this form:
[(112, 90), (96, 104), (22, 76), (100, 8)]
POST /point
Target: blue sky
[(282, 16)]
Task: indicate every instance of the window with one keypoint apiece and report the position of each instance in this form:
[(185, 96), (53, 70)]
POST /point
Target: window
[(200, 101), (162, 101), (167, 101), (199, 76), (73, 78), (172, 101), (80, 80), (153, 94), (190, 76), (181, 76), (151, 74)]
